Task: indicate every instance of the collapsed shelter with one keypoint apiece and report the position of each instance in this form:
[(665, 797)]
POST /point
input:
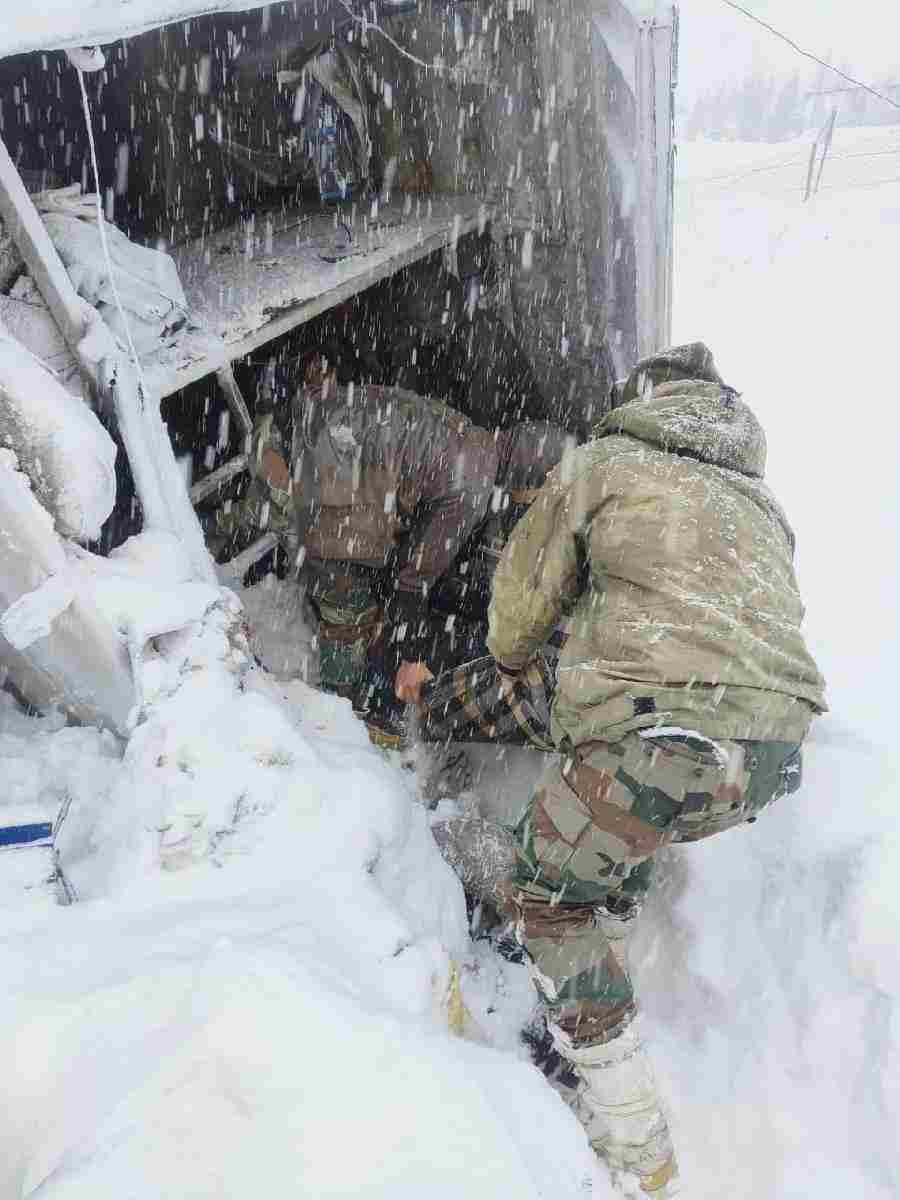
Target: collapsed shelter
[(472, 200)]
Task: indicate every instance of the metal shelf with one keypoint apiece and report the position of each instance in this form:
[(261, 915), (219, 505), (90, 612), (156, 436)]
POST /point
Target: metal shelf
[(247, 285)]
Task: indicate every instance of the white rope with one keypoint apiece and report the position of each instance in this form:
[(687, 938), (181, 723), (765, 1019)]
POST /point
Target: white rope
[(420, 62), (142, 384)]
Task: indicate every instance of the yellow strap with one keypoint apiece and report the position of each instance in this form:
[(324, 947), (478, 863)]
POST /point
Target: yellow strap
[(524, 495), (385, 741), (659, 1179), (456, 1008)]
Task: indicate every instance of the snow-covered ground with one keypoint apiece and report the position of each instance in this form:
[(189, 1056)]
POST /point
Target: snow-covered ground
[(255, 991), (775, 1007)]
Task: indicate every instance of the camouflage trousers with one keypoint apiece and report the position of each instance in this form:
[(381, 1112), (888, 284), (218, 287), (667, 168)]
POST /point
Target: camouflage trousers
[(586, 845), (345, 598)]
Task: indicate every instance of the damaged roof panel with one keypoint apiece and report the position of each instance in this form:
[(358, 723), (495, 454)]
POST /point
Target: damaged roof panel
[(62, 24)]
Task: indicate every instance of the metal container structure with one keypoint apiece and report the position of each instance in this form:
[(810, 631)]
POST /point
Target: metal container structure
[(531, 138)]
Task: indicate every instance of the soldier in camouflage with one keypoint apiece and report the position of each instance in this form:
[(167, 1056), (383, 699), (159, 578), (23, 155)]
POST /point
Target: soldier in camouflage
[(388, 485), (683, 695)]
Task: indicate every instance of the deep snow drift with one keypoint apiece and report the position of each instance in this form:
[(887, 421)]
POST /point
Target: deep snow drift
[(253, 992), (256, 987)]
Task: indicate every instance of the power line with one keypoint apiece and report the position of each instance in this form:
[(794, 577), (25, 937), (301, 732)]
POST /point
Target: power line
[(793, 162), (807, 54), (841, 91)]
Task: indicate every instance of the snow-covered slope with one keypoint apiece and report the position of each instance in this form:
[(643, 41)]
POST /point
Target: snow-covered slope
[(773, 981), (240, 1007), (256, 988)]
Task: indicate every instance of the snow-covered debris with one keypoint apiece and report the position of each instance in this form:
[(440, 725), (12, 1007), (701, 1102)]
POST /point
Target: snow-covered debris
[(280, 637), (146, 280), (32, 615), (143, 588), (26, 317), (75, 658), (60, 445), (258, 972), (43, 765)]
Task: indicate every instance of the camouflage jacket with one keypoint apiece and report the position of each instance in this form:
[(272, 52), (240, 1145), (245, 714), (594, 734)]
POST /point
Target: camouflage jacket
[(677, 561), (376, 466)]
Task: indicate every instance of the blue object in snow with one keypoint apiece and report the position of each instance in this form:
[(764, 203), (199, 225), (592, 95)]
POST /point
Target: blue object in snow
[(27, 835)]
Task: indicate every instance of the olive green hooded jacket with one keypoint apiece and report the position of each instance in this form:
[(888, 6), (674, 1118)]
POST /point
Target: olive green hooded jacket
[(673, 561)]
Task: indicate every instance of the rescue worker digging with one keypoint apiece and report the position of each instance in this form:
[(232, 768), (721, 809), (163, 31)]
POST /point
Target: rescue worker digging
[(388, 486), (684, 693)]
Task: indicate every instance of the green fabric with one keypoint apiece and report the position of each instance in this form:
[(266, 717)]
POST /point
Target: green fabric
[(675, 562), (341, 666)]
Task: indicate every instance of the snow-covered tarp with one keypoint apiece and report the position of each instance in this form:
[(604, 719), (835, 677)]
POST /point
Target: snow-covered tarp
[(59, 24), (58, 442)]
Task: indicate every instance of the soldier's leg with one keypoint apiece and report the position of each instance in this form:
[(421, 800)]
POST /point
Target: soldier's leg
[(585, 852), (585, 848), (344, 597)]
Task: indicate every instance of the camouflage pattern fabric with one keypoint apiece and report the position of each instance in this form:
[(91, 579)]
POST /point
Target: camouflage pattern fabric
[(257, 511), (587, 842), (346, 601), (263, 507), (674, 562), (476, 702), (383, 475)]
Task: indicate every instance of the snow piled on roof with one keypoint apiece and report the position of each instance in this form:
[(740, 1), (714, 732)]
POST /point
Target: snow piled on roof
[(58, 24)]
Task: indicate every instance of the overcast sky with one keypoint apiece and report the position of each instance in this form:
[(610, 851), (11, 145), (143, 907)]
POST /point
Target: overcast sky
[(718, 44)]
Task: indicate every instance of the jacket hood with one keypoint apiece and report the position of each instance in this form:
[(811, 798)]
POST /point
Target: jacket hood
[(702, 420), (691, 361)]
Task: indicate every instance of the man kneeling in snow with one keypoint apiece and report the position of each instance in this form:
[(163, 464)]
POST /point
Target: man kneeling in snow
[(683, 695)]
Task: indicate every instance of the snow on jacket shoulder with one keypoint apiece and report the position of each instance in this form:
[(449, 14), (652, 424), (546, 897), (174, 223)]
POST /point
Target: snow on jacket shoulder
[(674, 561)]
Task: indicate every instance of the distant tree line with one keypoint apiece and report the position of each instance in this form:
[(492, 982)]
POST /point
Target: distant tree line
[(765, 109)]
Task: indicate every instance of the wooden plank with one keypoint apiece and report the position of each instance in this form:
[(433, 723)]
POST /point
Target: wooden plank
[(218, 478), (236, 568), (236, 401), (248, 286)]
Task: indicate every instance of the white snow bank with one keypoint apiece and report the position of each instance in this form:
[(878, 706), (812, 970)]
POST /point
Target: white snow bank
[(280, 637), (769, 971), (43, 765), (251, 993), (31, 616), (770, 981), (70, 654), (61, 446)]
